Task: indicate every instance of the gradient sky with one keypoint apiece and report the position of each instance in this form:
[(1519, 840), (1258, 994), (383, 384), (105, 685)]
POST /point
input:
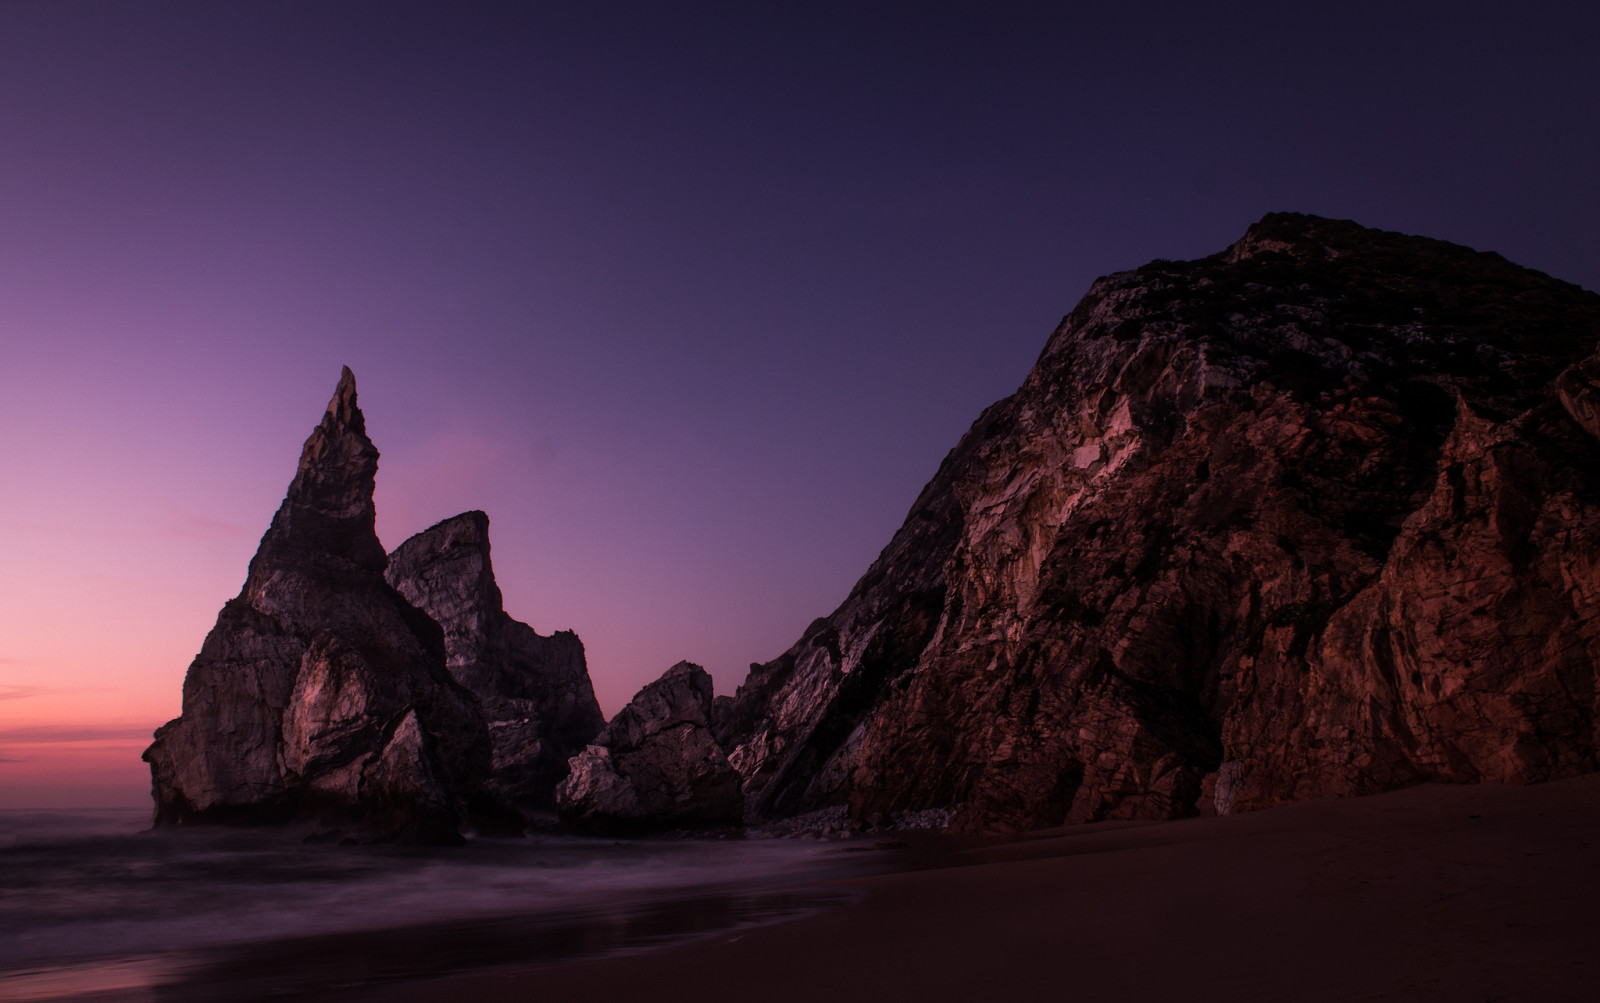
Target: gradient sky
[(691, 299)]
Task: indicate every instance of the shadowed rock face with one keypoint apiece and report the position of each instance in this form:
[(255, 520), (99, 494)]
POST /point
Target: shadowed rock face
[(534, 690), (656, 765), (1318, 515), (321, 693)]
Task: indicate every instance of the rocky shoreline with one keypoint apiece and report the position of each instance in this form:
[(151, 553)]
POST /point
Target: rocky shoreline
[(1315, 516), (1433, 893)]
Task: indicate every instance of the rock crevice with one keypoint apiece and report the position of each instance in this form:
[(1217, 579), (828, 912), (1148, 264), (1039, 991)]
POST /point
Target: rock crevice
[(322, 694), (1314, 516), (656, 765), (534, 690)]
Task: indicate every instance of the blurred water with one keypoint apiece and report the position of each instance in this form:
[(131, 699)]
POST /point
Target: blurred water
[(90, 902)]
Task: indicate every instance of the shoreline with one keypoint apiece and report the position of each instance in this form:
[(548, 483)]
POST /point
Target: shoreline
[(244, 914), (1436, 892), (1478, 892)]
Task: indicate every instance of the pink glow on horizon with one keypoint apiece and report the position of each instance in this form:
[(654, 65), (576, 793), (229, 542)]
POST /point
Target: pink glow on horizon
[(692, 305), (115, 574), (59, 767)]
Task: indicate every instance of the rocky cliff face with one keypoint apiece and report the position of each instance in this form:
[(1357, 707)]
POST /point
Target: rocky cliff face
[(1317, 515), (656, 765), (321, 693), (534, 690)]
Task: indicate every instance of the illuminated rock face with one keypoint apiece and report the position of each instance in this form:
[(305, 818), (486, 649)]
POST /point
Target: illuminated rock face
[(656, 765), (1318, 515), (535, 691), (321, 693)]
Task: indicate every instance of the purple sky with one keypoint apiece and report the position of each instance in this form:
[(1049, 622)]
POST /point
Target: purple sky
[(691, 303)]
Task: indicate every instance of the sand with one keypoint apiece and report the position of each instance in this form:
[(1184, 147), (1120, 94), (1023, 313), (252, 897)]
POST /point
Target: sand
[(1434, 893)]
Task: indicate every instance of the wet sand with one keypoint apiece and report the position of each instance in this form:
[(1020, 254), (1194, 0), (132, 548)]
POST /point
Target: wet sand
[(1435, 893)]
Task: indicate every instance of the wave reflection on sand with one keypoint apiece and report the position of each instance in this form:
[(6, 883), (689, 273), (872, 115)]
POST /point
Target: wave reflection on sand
[(91, 908)]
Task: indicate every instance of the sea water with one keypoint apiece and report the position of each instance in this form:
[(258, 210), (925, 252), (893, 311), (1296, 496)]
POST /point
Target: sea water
[(93, 905)]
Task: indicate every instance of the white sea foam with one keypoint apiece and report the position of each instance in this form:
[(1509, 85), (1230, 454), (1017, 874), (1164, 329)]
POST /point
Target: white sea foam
[(89, 893)]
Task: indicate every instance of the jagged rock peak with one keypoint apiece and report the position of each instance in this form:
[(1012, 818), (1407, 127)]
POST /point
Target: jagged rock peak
[(328, 506), (321, 694), (534, 690), (448, 564), (342, 409), (682, 695)]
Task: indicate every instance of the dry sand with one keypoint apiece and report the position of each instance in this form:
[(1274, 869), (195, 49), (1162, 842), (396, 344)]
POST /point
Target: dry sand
[(1434, 893)]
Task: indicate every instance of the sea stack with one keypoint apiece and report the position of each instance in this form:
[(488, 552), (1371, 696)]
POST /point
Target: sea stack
[(534, 691), (321, 694), (656, 765)]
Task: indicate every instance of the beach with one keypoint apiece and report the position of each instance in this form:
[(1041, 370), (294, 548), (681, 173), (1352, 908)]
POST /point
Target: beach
[(1433, 893), (1481, 892), (95, 906)]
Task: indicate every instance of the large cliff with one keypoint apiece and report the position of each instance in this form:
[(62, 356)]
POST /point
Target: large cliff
[(1317, 515)]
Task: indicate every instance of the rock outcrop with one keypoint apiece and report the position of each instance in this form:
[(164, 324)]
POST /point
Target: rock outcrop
[(1318, 515), (656, 765), (534, 690), (321, 693)]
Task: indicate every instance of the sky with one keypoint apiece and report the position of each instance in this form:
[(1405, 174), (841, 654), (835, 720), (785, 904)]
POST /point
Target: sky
[(690, 298)]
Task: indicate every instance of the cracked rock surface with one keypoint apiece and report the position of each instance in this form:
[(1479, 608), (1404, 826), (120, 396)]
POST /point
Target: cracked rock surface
[(1318, 515), (321, 693), (656, 765), (534, 690)]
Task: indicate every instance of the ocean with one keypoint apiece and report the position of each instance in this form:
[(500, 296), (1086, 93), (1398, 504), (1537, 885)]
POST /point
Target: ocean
[(93, 906)]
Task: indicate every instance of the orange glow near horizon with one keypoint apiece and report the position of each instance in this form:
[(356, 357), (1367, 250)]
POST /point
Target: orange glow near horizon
[(692, 307), (108, 593)]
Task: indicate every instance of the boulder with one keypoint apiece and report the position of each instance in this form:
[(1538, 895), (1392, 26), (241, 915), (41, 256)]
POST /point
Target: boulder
[(656, 765)]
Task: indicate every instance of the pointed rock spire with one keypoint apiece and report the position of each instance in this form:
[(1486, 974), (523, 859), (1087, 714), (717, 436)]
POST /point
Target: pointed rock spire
[(321, 693), (328, 507), (342, 408)]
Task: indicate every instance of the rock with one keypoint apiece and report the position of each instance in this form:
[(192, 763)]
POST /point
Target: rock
[(1318, 515), (656, 765), (1579, 391), (534, 690), (321, 693)]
